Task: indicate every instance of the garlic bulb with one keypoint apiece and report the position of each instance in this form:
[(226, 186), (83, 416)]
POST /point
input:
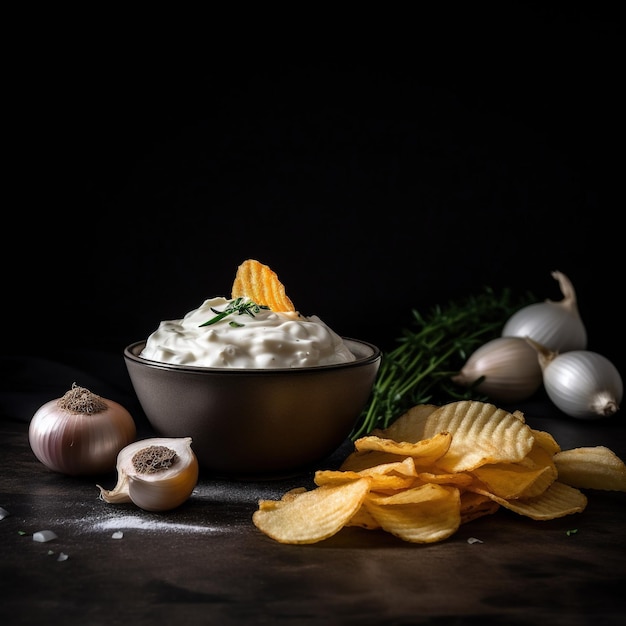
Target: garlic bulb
[(555, 325), (156, 474), (80, 433), (509, 366), (583, 384)]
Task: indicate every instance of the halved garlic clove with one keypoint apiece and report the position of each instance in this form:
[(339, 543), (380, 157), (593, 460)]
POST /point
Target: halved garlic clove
[(157, 474), (509, 369)]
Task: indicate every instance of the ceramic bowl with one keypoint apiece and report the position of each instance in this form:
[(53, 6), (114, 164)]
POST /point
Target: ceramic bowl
[(253, 423)]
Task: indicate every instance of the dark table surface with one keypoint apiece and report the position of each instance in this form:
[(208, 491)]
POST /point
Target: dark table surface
[(206, 563)]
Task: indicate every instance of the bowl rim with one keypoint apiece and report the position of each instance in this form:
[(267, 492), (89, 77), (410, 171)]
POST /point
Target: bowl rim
[(131, 353)]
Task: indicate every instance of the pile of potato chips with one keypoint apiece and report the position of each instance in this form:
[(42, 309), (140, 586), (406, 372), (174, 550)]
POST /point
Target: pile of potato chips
[(437, 467)]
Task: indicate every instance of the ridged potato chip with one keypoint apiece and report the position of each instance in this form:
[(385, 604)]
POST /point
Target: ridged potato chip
[(424, 514), (260, 283), (558, 500), (595, 467), (481, 434), (409, 426), (424, 452), (311, 516), (475, 505)]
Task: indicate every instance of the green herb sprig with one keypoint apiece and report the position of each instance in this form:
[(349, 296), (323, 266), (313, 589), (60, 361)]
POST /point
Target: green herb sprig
[(436, 346), (240, 306)]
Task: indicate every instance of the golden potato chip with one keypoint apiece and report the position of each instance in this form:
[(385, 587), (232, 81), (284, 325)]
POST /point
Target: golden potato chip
[(363, 519), (458, 479), (475, 505), (424, 514), (362, 459), (385, 476), (378, 481), (311, 516), (481, 434), (423, 452), (409, 426), (260, 283), (558, 500), (595, 467), (511, 480), (546, 441), (537, 459)]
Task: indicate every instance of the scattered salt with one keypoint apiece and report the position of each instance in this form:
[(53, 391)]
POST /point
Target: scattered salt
[(137, 522)]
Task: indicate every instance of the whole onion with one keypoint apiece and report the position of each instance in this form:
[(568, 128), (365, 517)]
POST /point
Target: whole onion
[(583, 384), (508, 366), (80, 433), (555, 325)]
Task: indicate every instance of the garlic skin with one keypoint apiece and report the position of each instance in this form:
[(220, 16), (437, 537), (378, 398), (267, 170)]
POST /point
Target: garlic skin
[(157, 474), (510, 367), (555, 325), (80, 433), (581, 383)]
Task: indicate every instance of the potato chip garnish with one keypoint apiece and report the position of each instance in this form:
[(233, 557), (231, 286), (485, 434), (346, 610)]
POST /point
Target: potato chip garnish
[(424, 514), (311, 516), (595, 467), (558, 500), (260, 283), (481, 433)]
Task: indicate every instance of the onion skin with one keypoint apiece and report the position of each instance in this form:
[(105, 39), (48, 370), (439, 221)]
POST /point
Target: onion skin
[(510, 367), (555, 325), (78, 443), (581, 383)]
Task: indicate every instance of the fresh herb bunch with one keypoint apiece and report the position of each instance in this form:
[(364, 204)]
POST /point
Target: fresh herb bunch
[(241, 306), (431, 351)]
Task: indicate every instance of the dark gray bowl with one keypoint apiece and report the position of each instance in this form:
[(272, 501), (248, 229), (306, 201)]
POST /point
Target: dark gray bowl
[(251, 423)]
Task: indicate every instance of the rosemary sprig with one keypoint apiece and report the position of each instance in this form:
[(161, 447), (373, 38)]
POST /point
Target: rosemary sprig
[(239, 306), (419, 369)]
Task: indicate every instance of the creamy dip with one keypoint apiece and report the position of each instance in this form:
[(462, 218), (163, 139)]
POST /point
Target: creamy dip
[(263, 339)]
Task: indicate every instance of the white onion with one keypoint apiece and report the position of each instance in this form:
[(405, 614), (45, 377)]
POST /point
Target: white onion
[(555, 325), (581, 383), (510, 367)]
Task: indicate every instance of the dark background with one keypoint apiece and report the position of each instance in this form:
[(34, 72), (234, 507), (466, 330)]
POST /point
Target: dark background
[(378, 163)]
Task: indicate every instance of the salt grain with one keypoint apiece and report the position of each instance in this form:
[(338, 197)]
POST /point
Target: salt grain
[(44, 535)]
